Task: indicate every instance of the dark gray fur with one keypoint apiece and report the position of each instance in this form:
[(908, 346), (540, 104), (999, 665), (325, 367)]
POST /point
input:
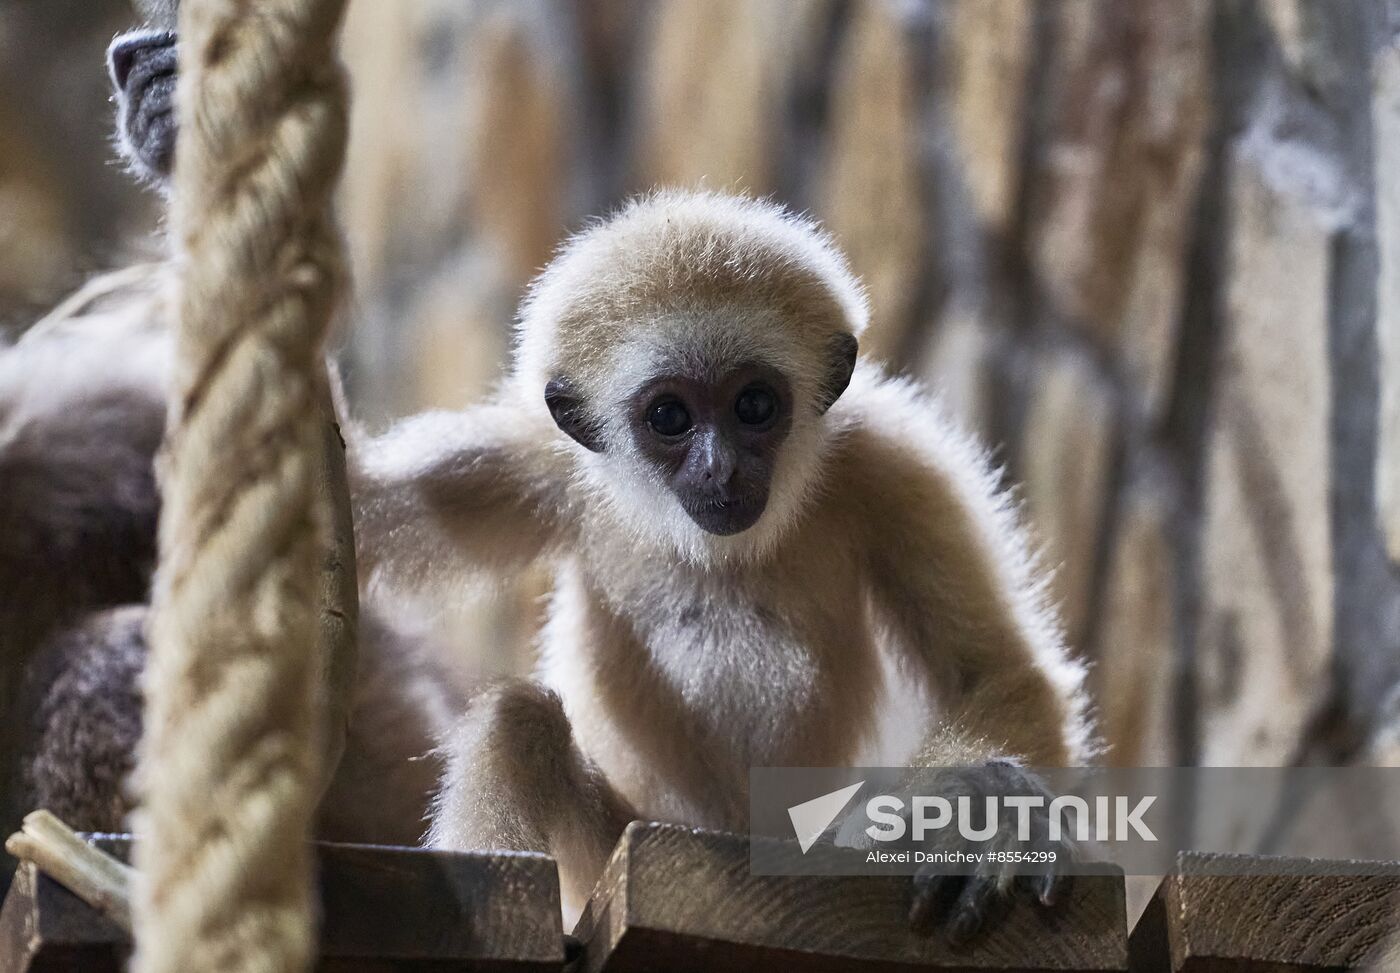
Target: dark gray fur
[(79, 423), (83, 693), (77, 491), (82, 414)]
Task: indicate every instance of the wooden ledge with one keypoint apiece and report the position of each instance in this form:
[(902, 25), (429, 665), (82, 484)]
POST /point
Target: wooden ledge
[(1232, 913), (684, 901), (385, 909)]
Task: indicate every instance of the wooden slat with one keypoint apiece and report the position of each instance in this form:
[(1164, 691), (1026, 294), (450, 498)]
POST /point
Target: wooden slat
[(1234, 913), (45, 929), (681, 900), (385, 909)]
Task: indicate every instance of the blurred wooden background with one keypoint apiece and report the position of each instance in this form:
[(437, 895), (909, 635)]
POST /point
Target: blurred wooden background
[(1149, 248)]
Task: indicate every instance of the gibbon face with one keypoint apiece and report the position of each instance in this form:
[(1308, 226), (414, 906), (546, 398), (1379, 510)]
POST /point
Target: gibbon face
[(712, 437), (692, 345), (715, 443)]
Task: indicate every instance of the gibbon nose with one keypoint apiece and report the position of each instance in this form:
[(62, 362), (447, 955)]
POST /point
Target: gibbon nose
[(121, 56), (718, 463)]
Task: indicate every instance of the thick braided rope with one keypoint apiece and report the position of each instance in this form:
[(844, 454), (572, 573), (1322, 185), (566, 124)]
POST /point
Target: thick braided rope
[(228, 769)]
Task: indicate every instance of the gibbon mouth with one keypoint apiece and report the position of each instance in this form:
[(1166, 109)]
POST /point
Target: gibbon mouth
[(725, 517)]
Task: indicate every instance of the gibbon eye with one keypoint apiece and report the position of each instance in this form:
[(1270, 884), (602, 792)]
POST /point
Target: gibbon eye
[(755, 405), (668, 417)]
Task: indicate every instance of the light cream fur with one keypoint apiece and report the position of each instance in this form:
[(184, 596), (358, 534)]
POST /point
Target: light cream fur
[(682, 659)]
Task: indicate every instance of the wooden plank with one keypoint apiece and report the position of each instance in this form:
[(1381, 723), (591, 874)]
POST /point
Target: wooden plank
[(45, 929), (406, 903), (385, 909), (1234, 913), (685, 901)]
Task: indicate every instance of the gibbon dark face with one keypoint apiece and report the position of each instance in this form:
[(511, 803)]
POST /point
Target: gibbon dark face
[(711, 435), (143, 65), (715, 442)]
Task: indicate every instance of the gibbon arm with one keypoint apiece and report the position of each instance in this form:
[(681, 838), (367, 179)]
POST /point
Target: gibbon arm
[(447, 493), (516, 781), (950, 577)]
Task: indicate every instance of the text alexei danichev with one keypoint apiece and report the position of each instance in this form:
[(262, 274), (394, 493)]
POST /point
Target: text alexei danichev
[(934, 857)]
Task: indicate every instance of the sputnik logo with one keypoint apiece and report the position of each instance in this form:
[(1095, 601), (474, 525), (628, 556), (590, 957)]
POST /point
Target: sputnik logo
[(811, 818)]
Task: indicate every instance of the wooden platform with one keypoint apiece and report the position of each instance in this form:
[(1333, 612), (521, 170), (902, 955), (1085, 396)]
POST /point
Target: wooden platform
[(684, 901), (677, 900), (1214, 916), (404, 910)]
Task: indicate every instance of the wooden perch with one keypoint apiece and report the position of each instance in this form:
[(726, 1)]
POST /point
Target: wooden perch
[(686, 901), (89, 873), (381, 909), (1226, 913)]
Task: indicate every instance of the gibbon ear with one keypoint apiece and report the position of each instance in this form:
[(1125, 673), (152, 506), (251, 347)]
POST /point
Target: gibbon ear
[(569, 414), (838, 376)]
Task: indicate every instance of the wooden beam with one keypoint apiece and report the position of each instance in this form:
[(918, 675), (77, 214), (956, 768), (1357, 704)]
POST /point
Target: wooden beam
[(385, 909), (44, 928), (685, 901), (1232, 913)]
